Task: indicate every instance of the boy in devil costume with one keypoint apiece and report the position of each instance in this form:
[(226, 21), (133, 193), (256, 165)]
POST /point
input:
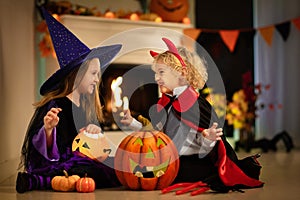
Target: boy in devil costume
[(191, 122)]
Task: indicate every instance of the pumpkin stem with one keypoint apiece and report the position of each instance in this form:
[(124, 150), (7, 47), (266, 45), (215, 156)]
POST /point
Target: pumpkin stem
[(85, 175), (66, 173)]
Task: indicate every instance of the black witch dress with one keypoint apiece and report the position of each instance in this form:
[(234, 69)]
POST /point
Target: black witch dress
[(50, 162)]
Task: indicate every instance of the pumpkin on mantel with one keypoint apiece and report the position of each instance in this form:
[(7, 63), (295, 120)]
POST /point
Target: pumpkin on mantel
[(146, 160), (170, 10), (64, 183)]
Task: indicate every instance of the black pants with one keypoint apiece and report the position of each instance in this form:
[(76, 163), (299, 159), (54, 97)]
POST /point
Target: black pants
[(192, 169)]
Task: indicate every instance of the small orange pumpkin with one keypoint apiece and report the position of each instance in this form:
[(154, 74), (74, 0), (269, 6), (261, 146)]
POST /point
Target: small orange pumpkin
[(85, 184), (170, 10), (64, 183), (146, 160)]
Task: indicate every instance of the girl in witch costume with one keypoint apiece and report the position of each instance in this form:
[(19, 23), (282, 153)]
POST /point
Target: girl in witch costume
[(191, 122), (70, 102)]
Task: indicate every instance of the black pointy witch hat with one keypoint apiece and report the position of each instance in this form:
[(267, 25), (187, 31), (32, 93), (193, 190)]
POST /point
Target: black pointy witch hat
[(71, 52)]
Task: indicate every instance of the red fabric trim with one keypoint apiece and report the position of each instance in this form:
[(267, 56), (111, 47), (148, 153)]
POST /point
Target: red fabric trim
[(163, 101), (230, 173), (192, 125), (185, 100), (172, 49), (153, 53)]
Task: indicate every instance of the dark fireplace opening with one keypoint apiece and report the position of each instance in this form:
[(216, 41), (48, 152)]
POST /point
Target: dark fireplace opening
[(137, 84)]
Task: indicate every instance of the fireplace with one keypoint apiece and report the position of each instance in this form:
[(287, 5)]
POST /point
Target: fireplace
[(137, 85)]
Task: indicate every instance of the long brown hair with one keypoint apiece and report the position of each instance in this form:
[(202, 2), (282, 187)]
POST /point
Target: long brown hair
[(90, 103)]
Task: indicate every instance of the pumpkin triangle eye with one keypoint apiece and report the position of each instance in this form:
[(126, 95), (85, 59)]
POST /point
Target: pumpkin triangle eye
[(77, 140), (160, 142), (138, 141), (85, 145)]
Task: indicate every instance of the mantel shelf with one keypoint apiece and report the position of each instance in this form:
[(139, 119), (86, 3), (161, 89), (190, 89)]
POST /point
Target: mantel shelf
[(95, 31), (117, 21)]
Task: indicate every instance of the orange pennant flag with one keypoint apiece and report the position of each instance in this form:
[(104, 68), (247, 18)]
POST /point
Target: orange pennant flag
[(230, 38), (192, 36), (267, 33), (297, 22), (192, 33)]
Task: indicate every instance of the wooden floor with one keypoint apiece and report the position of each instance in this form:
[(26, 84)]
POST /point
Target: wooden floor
[(280, 172)]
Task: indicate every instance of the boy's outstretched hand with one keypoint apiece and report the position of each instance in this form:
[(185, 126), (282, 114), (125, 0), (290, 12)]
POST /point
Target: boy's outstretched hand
[(127, 118), (213, 133)]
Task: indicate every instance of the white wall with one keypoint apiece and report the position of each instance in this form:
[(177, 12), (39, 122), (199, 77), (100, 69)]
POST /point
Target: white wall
[(16, 79), (278, 65)]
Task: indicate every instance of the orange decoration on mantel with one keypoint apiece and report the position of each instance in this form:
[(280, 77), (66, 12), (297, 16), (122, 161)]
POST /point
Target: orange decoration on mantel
[(109, 15), (170, 11)]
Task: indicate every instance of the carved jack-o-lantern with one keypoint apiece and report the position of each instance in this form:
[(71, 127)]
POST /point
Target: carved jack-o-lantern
[(146, 160), (170, 10), (94, 146)]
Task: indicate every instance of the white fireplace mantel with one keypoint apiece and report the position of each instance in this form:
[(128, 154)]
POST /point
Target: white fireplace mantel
[(137, 37)]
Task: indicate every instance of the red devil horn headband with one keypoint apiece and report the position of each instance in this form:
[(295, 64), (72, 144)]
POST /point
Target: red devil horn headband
[(172, 49)]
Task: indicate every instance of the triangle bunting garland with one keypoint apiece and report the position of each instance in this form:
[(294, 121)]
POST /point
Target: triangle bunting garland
[(296, 22), (267, 34), (192, 33), (284, 29), (230, 37)]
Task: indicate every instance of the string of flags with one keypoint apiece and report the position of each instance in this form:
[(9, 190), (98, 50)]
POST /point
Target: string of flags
[(230, 37)]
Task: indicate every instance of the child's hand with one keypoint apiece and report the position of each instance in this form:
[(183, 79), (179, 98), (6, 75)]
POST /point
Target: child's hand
[(92, 128), (51, 119), (127, 119), (213, 133)]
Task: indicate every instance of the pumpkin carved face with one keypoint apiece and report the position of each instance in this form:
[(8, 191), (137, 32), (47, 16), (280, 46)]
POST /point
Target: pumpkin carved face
[(146, 160), (170, 10), (94, 146)]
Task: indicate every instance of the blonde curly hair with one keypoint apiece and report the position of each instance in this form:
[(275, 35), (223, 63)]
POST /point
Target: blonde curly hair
[(196, 67)]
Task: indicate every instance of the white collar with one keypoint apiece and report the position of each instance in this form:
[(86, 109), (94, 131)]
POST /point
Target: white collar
[(177, 91)]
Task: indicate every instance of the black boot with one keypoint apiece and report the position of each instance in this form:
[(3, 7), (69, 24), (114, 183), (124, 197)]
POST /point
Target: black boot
[(22, 183), (27, 182)]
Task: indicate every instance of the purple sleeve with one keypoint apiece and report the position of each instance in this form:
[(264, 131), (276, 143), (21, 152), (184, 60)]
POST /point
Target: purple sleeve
[(40, 144)]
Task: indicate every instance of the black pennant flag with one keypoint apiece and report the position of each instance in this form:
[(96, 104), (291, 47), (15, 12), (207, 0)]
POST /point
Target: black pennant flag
[(284, 29)]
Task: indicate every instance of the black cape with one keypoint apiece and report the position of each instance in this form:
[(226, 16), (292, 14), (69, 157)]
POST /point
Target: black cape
[(197, 113)]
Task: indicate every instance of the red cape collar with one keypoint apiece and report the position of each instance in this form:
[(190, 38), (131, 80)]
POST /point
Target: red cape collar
[(181, 104)]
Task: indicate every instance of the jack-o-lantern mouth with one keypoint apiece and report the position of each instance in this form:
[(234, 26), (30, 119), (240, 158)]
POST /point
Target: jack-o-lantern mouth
[(148, 171), (170, 9)]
